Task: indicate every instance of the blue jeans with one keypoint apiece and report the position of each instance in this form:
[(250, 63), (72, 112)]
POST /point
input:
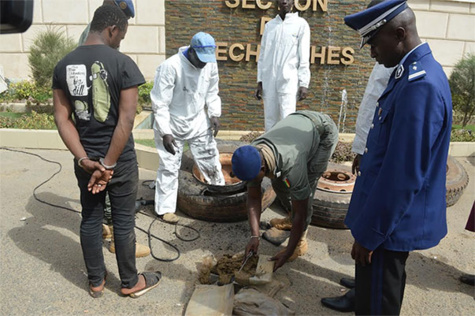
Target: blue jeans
[(122, 190)]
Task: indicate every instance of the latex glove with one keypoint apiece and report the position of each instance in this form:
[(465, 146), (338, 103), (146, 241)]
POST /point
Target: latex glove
[(258, 92), (169, 143), (214, 125), (302, 93)]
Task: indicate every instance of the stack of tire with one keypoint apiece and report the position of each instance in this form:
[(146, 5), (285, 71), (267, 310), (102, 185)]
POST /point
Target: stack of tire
[(211, 203), (330, 203)]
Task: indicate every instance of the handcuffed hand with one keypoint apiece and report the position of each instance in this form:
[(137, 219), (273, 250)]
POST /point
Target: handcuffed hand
[(99, 180)]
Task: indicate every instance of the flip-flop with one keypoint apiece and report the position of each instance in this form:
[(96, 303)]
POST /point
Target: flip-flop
[(152, 279), (97, 294)]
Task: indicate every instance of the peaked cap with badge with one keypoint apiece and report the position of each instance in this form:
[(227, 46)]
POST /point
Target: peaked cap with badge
[(368, 22)]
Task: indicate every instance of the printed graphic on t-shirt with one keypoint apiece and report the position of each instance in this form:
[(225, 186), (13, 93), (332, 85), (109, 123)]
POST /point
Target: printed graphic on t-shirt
[(76, 77), (80, 107), (100, 91)]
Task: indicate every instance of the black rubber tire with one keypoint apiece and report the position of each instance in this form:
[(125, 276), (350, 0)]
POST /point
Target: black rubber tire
[(330, 208), (457, 181), (196, 201)]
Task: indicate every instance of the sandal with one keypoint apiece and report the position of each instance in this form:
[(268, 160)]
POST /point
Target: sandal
[(97, 293), (152, 280)]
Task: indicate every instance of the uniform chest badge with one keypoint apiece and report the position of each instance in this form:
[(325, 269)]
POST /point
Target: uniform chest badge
[(287, 182), (399, 71)]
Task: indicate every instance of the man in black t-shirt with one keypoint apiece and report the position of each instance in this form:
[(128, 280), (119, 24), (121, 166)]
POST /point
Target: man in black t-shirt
[(95, 92)]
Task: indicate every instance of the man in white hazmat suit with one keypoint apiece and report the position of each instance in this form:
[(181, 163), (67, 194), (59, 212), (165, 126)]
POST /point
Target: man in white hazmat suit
[(184, 84), (283, 68)]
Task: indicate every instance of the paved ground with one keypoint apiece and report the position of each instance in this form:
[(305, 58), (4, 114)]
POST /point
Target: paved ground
[(42, 270)]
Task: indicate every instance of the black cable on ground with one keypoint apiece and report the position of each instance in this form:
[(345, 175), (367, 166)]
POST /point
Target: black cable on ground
[(148, 232), (44, 182)]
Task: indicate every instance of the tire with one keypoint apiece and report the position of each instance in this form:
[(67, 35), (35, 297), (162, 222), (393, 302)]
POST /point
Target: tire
[(196, 201), (457, 180), (330, 207)]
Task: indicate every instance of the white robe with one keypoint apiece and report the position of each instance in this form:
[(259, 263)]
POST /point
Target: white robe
[(283, 65)]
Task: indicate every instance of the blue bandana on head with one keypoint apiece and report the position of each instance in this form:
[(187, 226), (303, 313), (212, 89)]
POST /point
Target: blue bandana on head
[(246, 162)]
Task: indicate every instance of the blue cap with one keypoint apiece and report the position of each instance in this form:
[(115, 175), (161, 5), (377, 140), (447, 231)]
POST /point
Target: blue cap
[(369, 21), (246, 163), (204, 46), (127, 6)]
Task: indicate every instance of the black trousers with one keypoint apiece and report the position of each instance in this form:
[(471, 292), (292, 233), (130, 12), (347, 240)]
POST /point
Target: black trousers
[(122, 190), (380, 285)]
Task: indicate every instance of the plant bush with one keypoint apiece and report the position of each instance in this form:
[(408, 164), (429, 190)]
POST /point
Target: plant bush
[(144, 94), (32, 120), (48, 48), (342, 153), (249, 137), (462, 135), (462, 86), (26, 91)]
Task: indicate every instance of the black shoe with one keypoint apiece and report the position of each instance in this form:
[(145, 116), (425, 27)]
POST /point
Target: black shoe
[(348, 282), (344, 303), (468, 279)]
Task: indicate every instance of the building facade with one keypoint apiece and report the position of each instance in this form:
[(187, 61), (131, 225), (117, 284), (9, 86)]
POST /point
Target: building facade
[(339, 68)]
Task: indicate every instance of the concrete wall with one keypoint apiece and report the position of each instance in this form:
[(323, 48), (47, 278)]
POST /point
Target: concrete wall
[(449, 28), (144, 43)]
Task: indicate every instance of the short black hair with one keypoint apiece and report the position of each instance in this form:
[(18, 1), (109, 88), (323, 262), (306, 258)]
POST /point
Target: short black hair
[(108, 15)]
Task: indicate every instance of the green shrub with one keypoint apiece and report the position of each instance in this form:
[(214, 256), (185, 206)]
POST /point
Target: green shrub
[(31, 120), (342, 153), (462, 86), (6, 121), (144, 93), (48, 48), (27, 91), (462, 135), (249, 137)]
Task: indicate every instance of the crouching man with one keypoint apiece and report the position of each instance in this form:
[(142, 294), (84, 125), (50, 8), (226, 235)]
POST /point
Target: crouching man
[(293, 154)]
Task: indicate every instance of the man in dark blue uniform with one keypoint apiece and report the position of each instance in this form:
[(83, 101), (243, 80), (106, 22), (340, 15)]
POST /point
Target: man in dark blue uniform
[(398, 203)]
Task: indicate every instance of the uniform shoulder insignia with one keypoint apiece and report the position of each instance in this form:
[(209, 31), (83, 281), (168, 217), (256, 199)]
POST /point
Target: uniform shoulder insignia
[(416, 71)]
